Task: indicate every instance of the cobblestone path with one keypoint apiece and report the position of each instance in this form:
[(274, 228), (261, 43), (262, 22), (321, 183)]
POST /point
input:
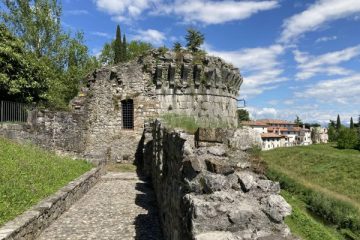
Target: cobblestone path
[(120, 206)]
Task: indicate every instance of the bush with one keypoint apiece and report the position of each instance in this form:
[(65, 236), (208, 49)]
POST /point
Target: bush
[(340, 213), (347, 139)]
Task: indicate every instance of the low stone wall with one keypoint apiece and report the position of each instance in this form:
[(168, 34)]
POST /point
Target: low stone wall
[(206, 189), (31, 223)]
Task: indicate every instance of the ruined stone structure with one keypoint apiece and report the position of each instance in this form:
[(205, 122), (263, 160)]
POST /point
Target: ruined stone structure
[(203, 183), (107, 118), (206, 189)]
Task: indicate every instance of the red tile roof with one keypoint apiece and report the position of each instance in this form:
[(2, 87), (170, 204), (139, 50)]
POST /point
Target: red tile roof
[(254, 123), (271, 135), (276, 121)]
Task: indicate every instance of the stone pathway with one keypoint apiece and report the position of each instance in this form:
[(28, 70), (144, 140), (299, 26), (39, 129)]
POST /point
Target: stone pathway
[(120, 206)]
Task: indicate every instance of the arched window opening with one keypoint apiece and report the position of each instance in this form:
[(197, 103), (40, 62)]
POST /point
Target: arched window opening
[(127, 114)]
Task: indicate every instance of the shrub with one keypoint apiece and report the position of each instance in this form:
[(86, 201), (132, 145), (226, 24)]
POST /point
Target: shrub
[(340, 213), (347, 139)]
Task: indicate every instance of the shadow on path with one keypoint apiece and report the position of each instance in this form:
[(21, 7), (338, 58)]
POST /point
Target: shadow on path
[(147, 225)]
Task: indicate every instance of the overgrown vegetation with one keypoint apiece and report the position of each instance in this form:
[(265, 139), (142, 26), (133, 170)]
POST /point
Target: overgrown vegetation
[(324, 178), (29, 174), (303, 225), (189, 123)]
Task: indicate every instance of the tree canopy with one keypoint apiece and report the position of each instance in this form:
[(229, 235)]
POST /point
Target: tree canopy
[(37, 23), (194, 39), (22, 77)]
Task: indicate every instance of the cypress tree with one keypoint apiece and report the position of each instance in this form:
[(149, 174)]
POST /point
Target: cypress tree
[(338, 122), (118, 46), (351, 123), (124, 52)]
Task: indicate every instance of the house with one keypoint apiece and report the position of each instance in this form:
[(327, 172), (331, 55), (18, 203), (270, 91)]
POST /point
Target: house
[(280, 133), (258, 126), (272, 140)]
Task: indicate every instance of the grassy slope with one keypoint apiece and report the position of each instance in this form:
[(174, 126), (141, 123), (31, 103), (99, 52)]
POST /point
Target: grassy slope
[(28, 174), (320, 167), (323, 169), (302, 224)]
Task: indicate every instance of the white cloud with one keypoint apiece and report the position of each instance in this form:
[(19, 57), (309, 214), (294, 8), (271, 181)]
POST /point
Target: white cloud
[(204, 11), (342, 90), (101, 34), (215, 12), (327, 63), (125, 9), (77, 12), (151, 35), (260, 67), (319, 13), (261, 113), (326, 39)]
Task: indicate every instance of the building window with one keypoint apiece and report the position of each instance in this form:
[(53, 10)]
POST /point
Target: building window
[(127, 114)]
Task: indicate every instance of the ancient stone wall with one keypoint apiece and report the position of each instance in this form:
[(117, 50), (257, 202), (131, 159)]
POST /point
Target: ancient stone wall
[(201, 86), (157, 83), (209, 192)]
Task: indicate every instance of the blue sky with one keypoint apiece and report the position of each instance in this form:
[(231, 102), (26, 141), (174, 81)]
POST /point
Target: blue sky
[(296, 57)]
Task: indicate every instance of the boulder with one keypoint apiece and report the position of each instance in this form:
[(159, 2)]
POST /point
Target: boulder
[(214, 182), (215, 235), (268, 186), (276, 207), (247, 180), (219, 166)]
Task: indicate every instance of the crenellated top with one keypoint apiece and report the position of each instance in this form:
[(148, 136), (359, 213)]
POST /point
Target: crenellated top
[(183, 70)]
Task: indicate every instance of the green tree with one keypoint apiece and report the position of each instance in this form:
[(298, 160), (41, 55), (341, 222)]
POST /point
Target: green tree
[(332, 132), (124, 49), (38, 24), (107, 55), (177, 47), (351, 123), (118, 54), (347, 138), (194, 39), (137, 48), (243, 115), (338, 122), (298, 121), (23, 77)]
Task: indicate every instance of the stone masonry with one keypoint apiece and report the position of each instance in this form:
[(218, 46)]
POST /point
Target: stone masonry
[(206, 190), (156, 83)]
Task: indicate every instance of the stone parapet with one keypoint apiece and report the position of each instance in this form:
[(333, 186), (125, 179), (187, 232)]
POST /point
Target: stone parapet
[(207, 191), (30, 224)]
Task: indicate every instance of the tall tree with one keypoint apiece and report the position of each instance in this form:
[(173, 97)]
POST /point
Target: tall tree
[(23, 77), (177, 47), (338, 122), (351, 123), (37, 23), (298, 121), (194, 39), (243, 115), (124, 49), (118, 55)]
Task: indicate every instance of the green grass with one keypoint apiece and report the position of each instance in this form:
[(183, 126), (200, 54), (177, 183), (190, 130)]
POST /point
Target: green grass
[(29, 174), (189, 123), (323, 167), (304, 225), (325, 179)]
